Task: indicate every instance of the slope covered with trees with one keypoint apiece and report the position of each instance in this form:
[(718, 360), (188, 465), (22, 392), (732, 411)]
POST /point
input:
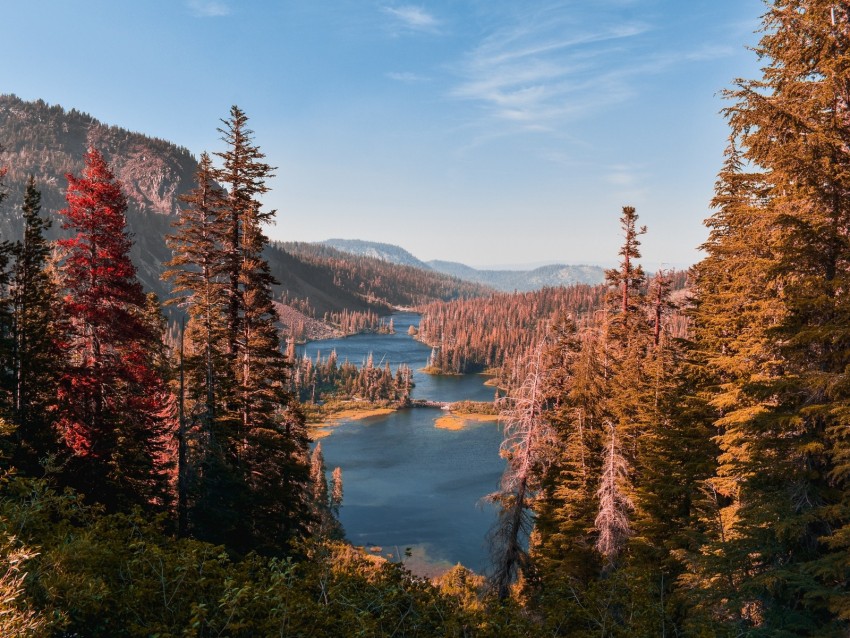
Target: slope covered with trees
[(699, 486), (383, 282), (148, 454), (49, 142), (493, 333)]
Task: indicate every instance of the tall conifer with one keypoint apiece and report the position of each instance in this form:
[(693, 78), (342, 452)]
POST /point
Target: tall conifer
[(253, 475), (773, 317), (35, 326), (113, 412)]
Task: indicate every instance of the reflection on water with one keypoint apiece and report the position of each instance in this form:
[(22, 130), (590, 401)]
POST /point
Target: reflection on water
[(408, 484)]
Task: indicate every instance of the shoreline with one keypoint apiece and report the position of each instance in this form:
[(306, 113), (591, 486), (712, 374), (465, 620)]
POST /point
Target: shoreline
[(458, 421), (325, 427)]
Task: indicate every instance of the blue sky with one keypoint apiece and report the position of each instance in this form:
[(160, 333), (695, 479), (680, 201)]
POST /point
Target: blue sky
[(483, 131)]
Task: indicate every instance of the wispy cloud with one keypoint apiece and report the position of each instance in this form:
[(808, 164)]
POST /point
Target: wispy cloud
[(540, 69), (710, 52), (545, 68), (407, 77), (413, 18), (622, 175), (208, 8)]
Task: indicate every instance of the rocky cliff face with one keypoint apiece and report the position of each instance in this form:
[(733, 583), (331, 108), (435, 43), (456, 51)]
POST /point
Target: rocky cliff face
[(48, 142)]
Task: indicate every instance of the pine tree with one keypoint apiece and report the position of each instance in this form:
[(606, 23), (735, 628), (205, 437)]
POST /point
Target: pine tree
[(612, 519), (611, 528), (252, 450), (35, 323), (272, 440), (566, 512), (6, 322), (197, 271), (317, 475), (773, 318), (113, 411), (198, 277), (244, 175), (336, 491)]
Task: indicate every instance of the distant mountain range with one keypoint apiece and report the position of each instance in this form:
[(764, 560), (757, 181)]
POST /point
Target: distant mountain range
[(503, 280), (389, 253), (49, 142)]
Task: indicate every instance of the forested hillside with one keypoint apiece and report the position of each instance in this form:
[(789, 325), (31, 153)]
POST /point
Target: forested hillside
[(383, 282), (502, 280), (385, 252), (48, 142), (700, 486), (493, 333)]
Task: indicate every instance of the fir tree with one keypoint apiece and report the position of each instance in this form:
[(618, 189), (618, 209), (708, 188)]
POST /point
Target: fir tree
[(244, 175), (526, 445), (773, 318), (113, 412), (198, 277), (35, 323), (272, 441), (198, 273), (6, 340), (251, 453)]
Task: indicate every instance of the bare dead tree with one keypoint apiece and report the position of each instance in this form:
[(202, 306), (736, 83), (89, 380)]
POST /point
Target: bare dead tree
[(612, 521), (527, 435), (336, 491)]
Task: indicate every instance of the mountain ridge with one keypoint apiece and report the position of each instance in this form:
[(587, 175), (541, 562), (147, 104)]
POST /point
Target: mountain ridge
[(501, 280), (48, 141)]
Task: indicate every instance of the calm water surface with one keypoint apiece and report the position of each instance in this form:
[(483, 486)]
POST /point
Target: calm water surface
[(407, 483)]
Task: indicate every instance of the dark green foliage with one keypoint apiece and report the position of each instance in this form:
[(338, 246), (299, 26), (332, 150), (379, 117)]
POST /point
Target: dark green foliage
[(124, 576), (36, 326)]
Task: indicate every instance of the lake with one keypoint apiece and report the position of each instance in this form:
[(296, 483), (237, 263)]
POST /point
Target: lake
[(408, 484)]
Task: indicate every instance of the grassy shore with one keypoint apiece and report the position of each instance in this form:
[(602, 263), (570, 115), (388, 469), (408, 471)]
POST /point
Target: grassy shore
[(459, 421), (322, 421)]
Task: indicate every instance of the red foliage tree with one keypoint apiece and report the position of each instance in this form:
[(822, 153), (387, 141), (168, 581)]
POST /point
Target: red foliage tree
[(113, 402)]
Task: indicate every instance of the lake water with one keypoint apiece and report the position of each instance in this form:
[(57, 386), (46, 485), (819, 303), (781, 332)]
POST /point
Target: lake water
[(408, 484)]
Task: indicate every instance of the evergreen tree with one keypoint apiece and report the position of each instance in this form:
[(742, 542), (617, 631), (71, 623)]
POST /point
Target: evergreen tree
[(197, 270), (6, 340), (35, 326), (199, 279), (113, 410), (251, 450), (772, 318), (271, 442), (244, 175), (568, 507), (336, 491)]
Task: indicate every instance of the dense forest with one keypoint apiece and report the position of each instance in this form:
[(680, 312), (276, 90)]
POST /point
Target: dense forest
[(328, 378), (494, 333), (663, 478)]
